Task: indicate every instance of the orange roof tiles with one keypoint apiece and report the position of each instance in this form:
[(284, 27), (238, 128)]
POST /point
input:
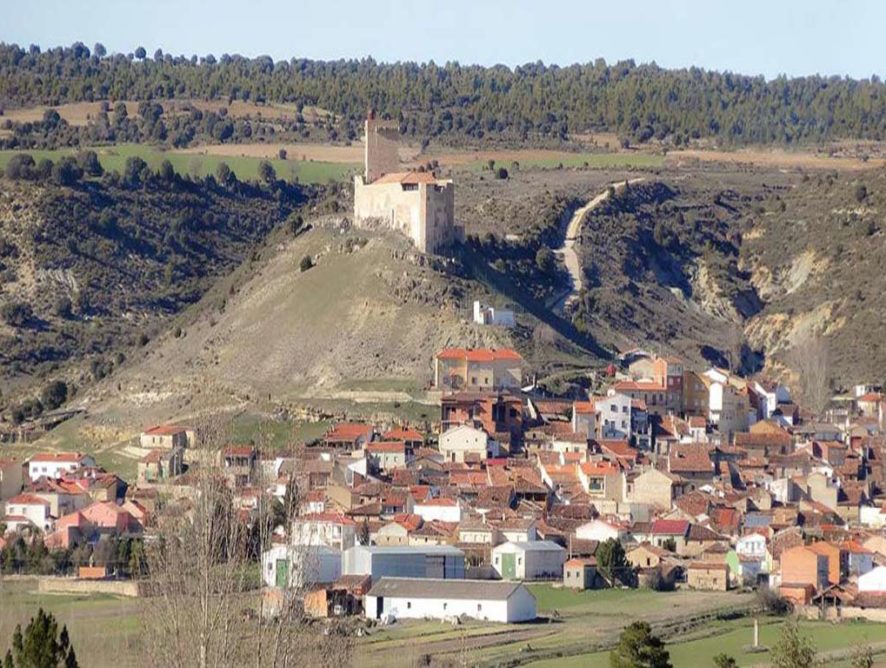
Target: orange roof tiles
[(406, 178), (480, 354), (164, 430), (403, 434), (387, 446), (27, 500), (58, 457)]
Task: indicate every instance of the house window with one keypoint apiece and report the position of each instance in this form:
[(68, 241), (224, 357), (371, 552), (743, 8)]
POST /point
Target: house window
[(409, 605), (479, 607), (445, 605), (519, 561)]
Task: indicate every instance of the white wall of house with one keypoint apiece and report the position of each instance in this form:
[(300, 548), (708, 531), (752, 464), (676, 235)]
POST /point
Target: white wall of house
[(614, 419), (520, 606), (36, 513), (872, 516), (455, 443), (57, 468), (340, 536), (874, 580), (538, 560), (432, 511), (599, 530), (305, 565), (752, 545)]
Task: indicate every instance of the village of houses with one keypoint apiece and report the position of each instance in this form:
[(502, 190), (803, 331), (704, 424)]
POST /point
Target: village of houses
[(707, 481)]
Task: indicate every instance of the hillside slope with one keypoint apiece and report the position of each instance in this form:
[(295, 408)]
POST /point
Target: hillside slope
[(816, 255), (363, 323), (91, 271)]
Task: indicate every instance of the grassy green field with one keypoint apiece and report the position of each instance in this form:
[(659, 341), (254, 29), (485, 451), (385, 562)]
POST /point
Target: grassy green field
[(105, 630), (113, 158), (735, 636)]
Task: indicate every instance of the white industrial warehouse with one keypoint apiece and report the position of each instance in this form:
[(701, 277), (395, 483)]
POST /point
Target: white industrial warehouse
[(420, 598), (427, 561)]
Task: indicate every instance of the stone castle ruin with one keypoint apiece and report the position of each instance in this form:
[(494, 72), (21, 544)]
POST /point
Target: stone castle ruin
[(417, 204)]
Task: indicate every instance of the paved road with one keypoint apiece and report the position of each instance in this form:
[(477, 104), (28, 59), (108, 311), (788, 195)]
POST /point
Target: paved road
[(567, 253)]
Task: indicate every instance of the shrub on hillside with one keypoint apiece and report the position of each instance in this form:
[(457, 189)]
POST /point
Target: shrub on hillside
[(306, 263), (16, 314)]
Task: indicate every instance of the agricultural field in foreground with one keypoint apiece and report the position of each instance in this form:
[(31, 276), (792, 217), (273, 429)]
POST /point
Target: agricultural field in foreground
[(571, 624), (245, 167), (105, 630)]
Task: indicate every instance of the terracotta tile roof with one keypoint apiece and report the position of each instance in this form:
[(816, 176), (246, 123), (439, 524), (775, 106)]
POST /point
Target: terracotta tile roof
[(328, 517), (480, 354), (164, 430), (638, 386), (404, 434), (708, 566), (27, 500), (577, 563), (599, 468), (690, 458), (670, 527), (584, 407), (571, 437), (397, 447), (406, 178), (750, 439), (239, 451), (58, 457), (349, 431)]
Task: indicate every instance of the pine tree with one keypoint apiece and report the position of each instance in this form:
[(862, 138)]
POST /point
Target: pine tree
[(638, 648), (41, 645)]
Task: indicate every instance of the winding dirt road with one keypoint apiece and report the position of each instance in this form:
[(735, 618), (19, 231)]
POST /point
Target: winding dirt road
[(567, 253)]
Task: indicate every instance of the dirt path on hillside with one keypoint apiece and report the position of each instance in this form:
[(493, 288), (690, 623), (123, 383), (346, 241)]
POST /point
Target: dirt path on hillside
[(567, 253)]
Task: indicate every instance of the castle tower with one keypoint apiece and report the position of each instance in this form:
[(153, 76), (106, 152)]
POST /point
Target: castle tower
[(380, 151)]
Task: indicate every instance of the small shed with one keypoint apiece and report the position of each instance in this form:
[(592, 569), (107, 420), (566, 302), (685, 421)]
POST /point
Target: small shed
[(420, 598), (288, 565), (580, 573), (708, 575), (533, 560)]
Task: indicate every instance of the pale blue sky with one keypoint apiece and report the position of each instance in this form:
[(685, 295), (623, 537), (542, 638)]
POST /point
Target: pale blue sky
[(769, 37)]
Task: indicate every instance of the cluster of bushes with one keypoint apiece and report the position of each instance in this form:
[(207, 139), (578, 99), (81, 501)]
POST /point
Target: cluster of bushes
[(52, 396), (28, 555), (66, 172), (187, 126)]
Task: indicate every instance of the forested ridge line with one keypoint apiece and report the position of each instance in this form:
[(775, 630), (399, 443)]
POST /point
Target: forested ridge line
[(639, 102)]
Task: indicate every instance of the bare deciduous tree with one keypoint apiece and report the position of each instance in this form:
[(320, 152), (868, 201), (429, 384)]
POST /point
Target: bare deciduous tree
[(206, 605), (810, 360)]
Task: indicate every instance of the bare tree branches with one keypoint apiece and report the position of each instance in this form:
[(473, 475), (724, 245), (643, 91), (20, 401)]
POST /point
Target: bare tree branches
[(207, 606), (810, 360)]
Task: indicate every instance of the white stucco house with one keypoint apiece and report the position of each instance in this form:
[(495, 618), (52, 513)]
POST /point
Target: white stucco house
[(28, 511), (534, 560), (57, 464), (442, 509), (464, 439), (330, 529), (601, 531), (873, 581), (488, 600)]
